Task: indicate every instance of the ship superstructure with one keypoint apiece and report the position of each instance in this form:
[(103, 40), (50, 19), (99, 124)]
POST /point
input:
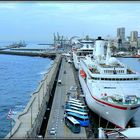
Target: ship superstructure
[(85, 47), (111, 89)]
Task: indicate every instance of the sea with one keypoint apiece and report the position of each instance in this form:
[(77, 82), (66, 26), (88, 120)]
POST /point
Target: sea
[(134, 64), (19, 78)]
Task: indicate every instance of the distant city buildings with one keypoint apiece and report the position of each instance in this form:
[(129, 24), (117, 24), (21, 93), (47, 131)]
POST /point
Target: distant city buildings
[(134, 36), (120, 37), (121, 33), (134, 39), (131, 42)]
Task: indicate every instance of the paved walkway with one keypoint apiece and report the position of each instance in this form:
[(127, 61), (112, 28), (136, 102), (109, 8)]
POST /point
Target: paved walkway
[(56, 122)]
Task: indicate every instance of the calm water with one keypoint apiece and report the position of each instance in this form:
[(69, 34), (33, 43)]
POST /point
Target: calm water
[(135, 65), (19, 78)]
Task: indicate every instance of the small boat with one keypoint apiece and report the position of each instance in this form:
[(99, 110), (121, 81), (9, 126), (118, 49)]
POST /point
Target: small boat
[(111, 88)]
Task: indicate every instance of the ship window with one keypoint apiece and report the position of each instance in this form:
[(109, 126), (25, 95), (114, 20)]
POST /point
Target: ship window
[(93, 78), (118, 79), (135, 78)]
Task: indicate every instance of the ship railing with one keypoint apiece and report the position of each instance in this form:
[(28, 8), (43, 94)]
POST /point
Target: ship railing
[(94, 70), (135, 100), (128, 101), (129, 71)]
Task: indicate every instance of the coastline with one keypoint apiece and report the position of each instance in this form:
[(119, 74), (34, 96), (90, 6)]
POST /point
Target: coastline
[(36, 105)]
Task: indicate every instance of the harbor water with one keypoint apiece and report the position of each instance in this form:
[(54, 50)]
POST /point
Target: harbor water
[(19, 78), (134, 64)]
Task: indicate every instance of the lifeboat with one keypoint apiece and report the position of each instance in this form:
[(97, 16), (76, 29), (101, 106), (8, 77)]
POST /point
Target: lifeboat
[(83, 74)]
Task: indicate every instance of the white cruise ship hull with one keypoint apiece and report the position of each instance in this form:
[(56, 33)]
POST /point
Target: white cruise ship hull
[(75, 61), (119, 117)]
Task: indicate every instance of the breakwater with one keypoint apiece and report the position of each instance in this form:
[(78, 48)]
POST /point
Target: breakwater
[(29, 49), (28, 123), (25, 53)]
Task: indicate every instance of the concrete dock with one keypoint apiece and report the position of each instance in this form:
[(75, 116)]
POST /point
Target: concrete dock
[(28, 123), (50, 54), (56, 121)]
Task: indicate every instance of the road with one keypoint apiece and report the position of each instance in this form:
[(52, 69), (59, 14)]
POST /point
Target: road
[(56, 122)]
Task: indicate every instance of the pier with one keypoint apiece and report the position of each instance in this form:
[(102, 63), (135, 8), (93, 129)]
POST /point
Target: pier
[(39, 116), (50, 54), (56, 119)]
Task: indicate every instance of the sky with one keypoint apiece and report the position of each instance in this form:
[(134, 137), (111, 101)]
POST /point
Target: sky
[(37, 21)]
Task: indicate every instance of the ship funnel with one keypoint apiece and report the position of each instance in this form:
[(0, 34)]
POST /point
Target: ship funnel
[(99, 38), (99, 48)]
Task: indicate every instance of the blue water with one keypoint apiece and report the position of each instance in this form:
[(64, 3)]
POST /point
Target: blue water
[(19, 78), (134, 64)]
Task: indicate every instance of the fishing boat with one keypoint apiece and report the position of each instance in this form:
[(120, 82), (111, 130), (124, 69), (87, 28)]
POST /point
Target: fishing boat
[(111, 89)]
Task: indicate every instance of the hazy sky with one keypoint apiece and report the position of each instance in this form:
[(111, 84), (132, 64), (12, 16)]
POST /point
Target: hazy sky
[(39, 20)]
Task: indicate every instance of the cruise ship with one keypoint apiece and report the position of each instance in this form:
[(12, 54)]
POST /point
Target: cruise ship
[(80, 52), (111, 89)]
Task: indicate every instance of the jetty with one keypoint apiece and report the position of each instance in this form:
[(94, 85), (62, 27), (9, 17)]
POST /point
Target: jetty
[(56, 120), (45, 110), (50, 54)]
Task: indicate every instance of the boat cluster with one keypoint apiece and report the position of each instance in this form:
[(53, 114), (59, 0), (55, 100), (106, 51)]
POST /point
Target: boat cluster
[(78, 110)]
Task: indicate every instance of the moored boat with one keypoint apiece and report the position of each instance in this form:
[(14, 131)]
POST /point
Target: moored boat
[(110, 88), (80, 52)]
